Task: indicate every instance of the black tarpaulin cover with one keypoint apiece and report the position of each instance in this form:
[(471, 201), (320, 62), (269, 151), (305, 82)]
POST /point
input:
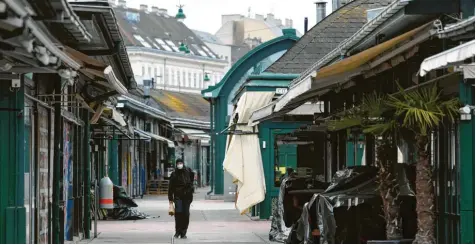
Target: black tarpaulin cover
[(124, 206), (279, 232), (349, 187)]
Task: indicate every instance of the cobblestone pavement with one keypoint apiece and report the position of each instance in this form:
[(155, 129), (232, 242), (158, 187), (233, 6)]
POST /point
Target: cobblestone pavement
[(211, 221)]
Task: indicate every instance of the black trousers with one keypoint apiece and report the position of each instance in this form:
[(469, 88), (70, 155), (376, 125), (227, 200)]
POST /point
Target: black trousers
[(182, 216)]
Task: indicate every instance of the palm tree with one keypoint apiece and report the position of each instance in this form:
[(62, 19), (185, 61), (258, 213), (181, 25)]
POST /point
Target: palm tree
[(421, 111), (373, 116)]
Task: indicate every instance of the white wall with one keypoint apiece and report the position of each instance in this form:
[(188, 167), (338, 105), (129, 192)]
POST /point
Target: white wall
[(168, 71), (222, 50)]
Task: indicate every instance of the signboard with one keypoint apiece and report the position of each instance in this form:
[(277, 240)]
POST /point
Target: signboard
[(281, 90)]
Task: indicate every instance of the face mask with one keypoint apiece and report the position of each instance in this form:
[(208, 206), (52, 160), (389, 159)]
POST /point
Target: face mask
[(180, 166)]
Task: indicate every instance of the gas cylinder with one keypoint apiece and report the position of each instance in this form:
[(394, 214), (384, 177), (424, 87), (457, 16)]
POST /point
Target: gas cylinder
[(106, 193)]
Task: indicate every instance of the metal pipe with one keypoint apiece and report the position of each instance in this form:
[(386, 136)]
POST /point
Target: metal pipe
[(87, 177), (306, 22), (57, 166), (212, 145)]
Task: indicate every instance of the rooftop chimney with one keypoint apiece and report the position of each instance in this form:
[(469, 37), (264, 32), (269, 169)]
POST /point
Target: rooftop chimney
[(122, 3), (259, 17), (320, 10), (335, 5), (278, 22), (162, 11), (143, 7), (154, 9), (270, 17), (305, 24)]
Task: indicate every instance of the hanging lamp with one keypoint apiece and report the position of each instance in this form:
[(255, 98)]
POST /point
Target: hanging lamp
[(182, 47), (206, 78), (180, 16)]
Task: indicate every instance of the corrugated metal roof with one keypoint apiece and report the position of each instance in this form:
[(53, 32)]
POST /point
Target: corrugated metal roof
[(326, 35)]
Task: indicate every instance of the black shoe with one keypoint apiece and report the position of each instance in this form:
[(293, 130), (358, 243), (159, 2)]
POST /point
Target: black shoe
[(184, 237), (176, 235)]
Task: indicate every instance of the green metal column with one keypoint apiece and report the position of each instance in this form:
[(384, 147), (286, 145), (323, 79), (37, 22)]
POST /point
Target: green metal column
[(87, 177), (211, 159), (467, 168), (12, 166), (113, 161), (220, 143)]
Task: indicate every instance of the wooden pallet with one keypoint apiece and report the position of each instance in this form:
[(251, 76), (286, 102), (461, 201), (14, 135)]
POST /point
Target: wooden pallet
[(158, 187)]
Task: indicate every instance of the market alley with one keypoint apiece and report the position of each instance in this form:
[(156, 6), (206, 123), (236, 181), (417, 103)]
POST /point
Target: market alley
[(211, 221)]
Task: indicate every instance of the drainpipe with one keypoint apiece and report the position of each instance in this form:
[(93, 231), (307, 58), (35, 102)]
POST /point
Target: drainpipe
[(305, 24), (58, 159), (212, 145)]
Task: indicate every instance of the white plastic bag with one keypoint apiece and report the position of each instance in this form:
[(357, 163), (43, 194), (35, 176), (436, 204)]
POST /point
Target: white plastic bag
[(171, 209)]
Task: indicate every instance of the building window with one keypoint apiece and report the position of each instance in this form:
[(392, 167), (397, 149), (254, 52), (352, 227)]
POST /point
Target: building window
[(195, 80), (155, 73), (183, 78), (179, 82), (143, 70), (142, 41), (149, 71), (174, 77), (190, 80), (169, 76), (200, 80)]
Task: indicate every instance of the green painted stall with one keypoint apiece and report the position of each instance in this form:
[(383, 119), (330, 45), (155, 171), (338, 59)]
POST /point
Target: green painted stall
[(222, 94)]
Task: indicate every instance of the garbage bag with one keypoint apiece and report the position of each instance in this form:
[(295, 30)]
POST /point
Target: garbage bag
[(125, 208)]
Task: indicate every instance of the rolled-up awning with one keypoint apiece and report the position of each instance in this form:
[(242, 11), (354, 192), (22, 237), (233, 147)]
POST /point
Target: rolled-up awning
[(317, 83), (266, 112), (195, 133), (452, 57), (95, 68), (116, 116), (155, 137), (142, 135)]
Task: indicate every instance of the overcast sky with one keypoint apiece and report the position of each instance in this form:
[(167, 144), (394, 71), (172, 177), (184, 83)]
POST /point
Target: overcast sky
[(205, 15)]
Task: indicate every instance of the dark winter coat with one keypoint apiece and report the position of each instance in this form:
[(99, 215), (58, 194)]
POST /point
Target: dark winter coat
[(181, 184)]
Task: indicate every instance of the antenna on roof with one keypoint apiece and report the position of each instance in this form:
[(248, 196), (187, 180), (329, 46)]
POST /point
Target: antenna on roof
[(249, 12)]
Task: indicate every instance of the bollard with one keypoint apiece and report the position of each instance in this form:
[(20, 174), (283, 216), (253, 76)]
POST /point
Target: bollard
[(106, 193)]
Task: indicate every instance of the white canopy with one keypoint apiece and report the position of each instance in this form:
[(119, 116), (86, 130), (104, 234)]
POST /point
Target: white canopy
[(116, 116), (149, 135), (452, 57), (243, 156)]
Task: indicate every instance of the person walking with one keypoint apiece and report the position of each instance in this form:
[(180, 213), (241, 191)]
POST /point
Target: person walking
[(181, 195)]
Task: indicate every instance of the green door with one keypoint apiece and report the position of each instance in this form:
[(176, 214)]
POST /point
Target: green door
[(284, 156), (287, 158)]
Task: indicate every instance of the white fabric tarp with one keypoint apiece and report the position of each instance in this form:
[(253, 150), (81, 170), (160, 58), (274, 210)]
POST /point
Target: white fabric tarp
[(468, 71), (243, 155), (451, 57), (116, 116)]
